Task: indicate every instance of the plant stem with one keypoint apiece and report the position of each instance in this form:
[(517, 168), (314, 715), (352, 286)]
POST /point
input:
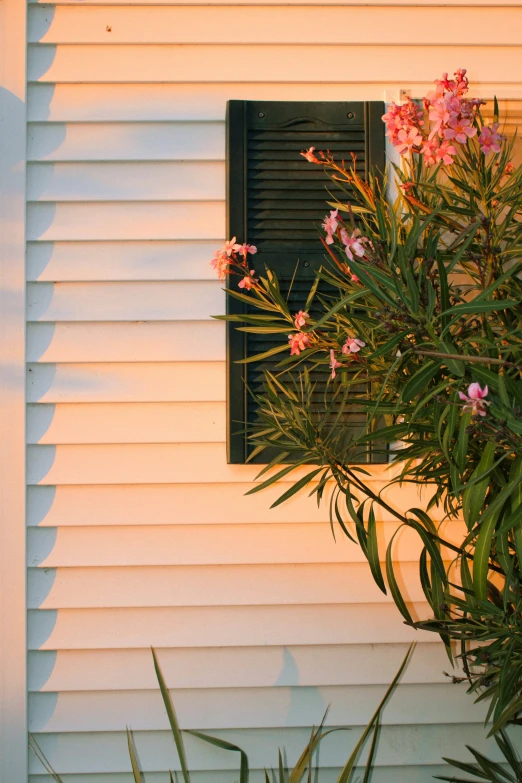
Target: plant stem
[(465, 358)]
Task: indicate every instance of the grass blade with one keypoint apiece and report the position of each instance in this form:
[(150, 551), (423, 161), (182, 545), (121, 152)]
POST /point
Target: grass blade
[(173, 719)]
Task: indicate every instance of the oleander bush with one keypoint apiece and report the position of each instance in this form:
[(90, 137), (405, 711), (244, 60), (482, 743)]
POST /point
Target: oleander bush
[(415, 320)]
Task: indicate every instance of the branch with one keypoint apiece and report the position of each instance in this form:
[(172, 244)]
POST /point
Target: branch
[(465, 358)]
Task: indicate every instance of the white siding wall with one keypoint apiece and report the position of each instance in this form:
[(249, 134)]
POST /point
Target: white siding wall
[(139, 533)]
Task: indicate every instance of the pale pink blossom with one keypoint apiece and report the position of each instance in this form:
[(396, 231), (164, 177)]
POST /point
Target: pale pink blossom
[(489, 139), (334, 364), (352, 345), (354, 243), (243, 250), (460, 130), (230, 246), (474, 399), (444, 153), (429, 150), (298, 342), (248, 281), (309, 155), (330, 226), (220, 263), (438, 115), (300, 319), (408, 139)]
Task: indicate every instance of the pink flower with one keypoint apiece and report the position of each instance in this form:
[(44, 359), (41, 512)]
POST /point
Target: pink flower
[(354, 243), (460, 130), (300, 319), (243, 250), (230, 246), (330, 225), (444, 152), (298, 342), (489, 139), (429, 150), (352, 345), (309, 155), (334, 364), (248, 281), (474, 399), (508, 171), (408, 140), (439, 115), (220, 263)]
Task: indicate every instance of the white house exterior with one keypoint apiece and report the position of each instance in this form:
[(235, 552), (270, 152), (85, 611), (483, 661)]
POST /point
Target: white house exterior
[(124, 527)]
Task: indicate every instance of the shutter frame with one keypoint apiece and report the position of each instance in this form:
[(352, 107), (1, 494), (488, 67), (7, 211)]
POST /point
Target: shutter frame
[(243, 116)]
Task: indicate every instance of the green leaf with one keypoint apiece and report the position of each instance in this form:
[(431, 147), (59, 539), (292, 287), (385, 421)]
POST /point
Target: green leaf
[(173, 718), (419, 381), (368, 769), (219, 743), (373, 552), (488, 522), (42, 758), (265, 355), (138, 778), (482, 306), (516, 504), (473, 496), (392, 582), (296, 487), (272, 480), (352, 760)]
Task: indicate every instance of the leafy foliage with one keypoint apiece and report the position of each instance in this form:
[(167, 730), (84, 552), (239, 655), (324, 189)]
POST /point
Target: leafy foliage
[(423, 335), (485, 769), (304, 765)]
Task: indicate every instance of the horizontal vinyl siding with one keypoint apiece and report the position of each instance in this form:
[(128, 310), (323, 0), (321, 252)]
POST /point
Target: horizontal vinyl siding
[(139, 533)]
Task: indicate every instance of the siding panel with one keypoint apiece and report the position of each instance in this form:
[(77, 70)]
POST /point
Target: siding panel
[(227, 667), (187, 504), (202, 709), (120, 260), (229, 626), (229, 24), (116, 141), (165, 301), (167, 341), (203, 545), (148, 63), (123, 382), (154, 180), (107, 752)]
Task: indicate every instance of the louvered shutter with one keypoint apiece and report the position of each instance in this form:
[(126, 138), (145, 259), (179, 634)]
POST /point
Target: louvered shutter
[(274, 201)]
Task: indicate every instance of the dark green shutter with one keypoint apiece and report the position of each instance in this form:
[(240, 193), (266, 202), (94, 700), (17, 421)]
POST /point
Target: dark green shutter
[(274, 200)]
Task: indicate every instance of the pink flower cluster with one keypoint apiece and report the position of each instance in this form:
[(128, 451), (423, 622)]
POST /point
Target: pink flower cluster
[(474, 399), (353, 243), (233, 257), (451, 121), (299, 341), (352, 345)]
